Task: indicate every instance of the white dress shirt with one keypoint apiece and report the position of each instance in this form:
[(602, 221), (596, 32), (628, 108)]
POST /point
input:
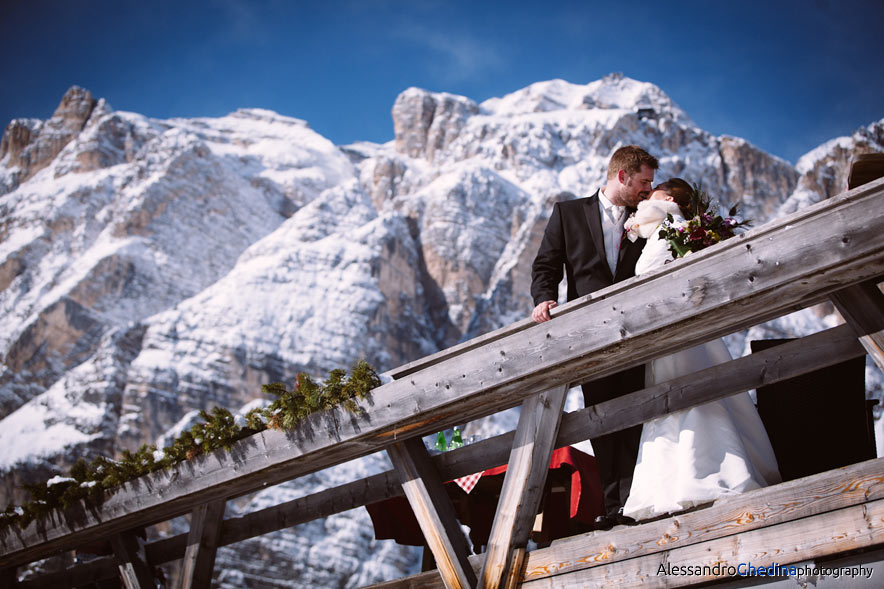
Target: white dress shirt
[(612, 226)]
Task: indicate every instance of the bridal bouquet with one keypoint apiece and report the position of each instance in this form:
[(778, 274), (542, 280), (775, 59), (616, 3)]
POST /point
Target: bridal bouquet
[(703, 229)]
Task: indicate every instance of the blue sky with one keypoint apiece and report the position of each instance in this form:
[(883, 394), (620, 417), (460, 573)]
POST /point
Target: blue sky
[(785, 75)]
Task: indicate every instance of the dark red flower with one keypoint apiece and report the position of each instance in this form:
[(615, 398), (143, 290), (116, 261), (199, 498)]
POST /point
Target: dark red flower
[(697, 234)]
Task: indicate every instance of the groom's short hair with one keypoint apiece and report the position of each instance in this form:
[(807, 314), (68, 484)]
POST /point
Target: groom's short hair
[(630, 158)]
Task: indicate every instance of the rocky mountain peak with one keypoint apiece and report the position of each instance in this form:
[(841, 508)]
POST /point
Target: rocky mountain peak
[(16, 137), (74, 110), (614, 91), (823, 172), (29, 145), (265, 115), (427, 122)]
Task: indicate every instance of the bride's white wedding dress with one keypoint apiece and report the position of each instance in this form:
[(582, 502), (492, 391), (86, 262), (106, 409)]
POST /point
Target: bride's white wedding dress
[(696, 455)]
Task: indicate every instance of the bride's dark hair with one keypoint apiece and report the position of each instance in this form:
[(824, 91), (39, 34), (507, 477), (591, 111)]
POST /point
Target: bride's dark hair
[(681, 192)]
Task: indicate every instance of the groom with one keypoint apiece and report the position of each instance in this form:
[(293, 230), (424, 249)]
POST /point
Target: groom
[(584, 237)]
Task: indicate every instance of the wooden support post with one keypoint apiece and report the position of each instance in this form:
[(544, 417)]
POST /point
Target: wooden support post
[(202, 545), (862, 306), (434, 512), (520, 496), (132, 561)]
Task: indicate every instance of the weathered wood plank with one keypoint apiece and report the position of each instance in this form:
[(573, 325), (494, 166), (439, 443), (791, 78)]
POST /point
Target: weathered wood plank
[(202, 545), (819, 350), (862, 306), (797, 500), (434, 512), (874, 345), (771, 270), (522, 488), (794, 500), (834, 532), (132, 561)]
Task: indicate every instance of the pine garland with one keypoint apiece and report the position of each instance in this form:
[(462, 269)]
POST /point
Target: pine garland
[(91, 481)]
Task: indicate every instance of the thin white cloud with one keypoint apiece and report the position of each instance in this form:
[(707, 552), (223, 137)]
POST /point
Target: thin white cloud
[(245, 22), (460, 57)]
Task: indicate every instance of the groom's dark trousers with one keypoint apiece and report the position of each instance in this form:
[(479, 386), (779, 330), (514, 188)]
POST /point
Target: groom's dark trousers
[(573, 246)]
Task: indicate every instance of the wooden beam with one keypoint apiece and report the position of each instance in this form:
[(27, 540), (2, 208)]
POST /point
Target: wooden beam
[(819, 536), (862, 306), (782, 362), (434, 512), (874, 346), (132, 561), (202, 545), (731, 517), (795, 542), (795, 500), (522, 489)]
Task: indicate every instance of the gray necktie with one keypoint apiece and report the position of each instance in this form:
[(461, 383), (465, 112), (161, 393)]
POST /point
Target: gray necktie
[(616, 213)]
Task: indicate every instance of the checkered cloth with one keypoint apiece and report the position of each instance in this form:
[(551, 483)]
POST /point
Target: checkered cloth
[(468, 482)]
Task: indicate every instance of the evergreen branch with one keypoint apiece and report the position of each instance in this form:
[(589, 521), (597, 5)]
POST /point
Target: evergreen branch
[(91, 481)]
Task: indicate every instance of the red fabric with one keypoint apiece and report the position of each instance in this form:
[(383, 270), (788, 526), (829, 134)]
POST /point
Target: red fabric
[(393, 518)]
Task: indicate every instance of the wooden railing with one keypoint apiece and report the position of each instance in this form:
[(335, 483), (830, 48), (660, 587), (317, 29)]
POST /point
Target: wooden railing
[(834, 249)]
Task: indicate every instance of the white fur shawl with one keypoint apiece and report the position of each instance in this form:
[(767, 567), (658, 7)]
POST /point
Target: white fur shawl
[(648, 216)]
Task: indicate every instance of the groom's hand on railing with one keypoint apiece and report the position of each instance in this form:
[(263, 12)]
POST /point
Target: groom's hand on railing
[(541, 311)]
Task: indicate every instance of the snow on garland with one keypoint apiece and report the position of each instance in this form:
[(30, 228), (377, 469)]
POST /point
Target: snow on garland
[(91, 481)]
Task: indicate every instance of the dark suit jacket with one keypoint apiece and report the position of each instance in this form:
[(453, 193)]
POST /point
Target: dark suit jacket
[(574, 240)]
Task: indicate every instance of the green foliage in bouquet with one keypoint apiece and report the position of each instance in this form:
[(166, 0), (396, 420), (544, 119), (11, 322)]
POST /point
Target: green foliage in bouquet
[(219, 429), (703, 229)]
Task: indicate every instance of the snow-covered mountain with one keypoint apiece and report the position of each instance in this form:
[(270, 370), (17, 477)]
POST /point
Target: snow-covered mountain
[(149, 268)]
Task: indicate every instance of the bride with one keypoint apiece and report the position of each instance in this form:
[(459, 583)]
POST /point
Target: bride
[(696, 455)]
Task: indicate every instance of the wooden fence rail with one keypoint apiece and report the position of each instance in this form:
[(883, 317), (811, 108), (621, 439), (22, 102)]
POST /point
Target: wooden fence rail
[(777, 268)]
